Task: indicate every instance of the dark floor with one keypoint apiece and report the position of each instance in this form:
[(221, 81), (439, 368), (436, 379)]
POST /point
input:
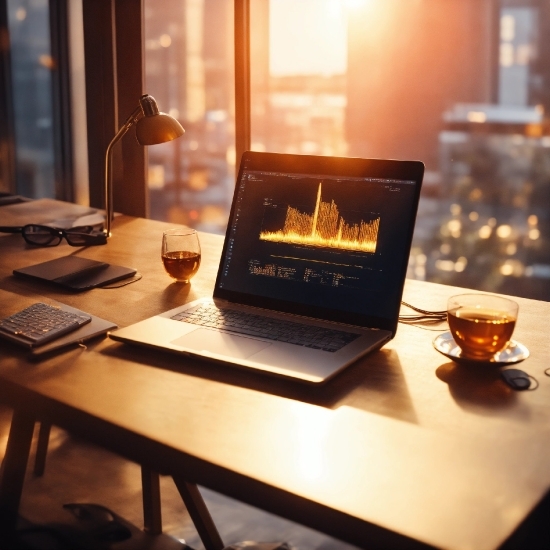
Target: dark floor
[(77, 472)]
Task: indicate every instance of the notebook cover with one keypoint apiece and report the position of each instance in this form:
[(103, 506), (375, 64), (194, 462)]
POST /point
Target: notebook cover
[(96, 327), (98, 278), (76, 273)]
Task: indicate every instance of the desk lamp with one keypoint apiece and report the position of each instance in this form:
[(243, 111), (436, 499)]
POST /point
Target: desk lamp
[(152, 127)]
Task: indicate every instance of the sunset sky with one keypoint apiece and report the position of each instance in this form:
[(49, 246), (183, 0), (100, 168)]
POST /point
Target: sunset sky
[(307, 37)]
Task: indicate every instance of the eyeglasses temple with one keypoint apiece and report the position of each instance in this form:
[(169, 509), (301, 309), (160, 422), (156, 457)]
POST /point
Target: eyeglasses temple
[(11, 229)]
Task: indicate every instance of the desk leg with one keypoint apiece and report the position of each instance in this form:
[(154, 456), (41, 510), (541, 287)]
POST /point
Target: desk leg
[(14, 466), (199, 514), (152, 513), (42, 448)]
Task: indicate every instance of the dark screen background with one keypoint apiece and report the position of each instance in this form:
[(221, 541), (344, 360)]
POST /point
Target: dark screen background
[(364, 283)]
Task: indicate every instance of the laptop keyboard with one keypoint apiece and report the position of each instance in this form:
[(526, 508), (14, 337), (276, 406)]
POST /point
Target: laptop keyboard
[(250, 324), (41, 323)]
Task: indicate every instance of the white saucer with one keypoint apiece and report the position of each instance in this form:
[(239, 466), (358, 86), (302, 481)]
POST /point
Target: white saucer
[(514, 352)]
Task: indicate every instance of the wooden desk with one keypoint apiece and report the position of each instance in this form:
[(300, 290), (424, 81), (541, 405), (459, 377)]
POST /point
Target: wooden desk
[(404, 449)]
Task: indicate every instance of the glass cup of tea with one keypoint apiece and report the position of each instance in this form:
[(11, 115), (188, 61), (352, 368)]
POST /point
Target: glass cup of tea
[(181, 253), (481, 324)]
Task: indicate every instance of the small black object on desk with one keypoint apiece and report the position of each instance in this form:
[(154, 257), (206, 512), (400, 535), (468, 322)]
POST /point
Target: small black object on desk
[(516, 379), (76, 273)]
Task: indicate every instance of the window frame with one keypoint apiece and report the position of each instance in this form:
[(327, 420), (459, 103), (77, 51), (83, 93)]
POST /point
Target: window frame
[(242, 79), (114, 59), (114, 65), (114, 69), (64, 173), (7, 123), (113, 33)]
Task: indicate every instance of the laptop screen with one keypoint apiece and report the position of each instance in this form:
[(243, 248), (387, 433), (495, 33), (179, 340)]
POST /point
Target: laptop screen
[(321, 240)]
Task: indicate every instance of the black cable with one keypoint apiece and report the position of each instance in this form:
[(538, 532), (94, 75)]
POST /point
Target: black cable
[(536, 382), (427, 317)]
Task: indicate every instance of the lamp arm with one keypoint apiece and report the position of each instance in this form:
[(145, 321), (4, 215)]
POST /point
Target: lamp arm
[(130, 121)]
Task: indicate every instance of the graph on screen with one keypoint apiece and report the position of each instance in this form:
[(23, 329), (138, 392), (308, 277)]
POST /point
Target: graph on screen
[(325, 227)]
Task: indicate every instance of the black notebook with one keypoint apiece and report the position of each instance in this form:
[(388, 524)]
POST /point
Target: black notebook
[(76, 273)]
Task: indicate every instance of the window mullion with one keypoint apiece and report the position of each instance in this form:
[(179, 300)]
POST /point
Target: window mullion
[(130, 187), (113, 49), (242, 78), (7, 126), (61, 100)]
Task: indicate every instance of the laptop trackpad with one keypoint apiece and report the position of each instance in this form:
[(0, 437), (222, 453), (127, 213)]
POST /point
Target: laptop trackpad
[(220, 343)]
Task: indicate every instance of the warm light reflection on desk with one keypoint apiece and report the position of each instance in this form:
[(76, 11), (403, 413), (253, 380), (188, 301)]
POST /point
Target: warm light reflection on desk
[(312, 436)]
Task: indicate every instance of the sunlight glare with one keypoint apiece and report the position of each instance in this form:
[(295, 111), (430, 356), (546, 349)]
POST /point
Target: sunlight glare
[(357, 4), (307, 37), (312, 435)]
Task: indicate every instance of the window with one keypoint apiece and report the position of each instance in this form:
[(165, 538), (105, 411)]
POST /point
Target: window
[(31, 64), (463, 85), (402, 79), (189, 70), (42, 73), (374, 78)]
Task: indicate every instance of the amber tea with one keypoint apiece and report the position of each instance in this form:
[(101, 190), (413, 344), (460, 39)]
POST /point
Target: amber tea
[(181, 265), (481, 325), (181, 253), (481, 333)]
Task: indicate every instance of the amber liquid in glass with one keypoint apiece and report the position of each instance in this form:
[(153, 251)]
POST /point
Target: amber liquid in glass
[(181, 265), (479, 332)]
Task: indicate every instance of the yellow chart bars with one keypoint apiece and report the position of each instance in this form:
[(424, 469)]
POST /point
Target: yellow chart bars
[(325, 228)]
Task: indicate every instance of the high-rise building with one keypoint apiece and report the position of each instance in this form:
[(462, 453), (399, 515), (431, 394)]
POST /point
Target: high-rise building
[(409, 61), (189, 69)]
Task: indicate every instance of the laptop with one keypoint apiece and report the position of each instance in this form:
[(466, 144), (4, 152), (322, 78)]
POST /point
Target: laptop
[(312, 269)]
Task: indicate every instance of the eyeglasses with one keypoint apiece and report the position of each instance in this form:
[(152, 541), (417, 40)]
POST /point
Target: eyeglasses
[(44, 235)]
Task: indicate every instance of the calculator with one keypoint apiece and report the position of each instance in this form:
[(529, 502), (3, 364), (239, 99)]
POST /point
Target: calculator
[(41, 323)]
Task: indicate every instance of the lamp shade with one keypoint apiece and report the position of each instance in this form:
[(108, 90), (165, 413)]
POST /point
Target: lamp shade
[(155, 127), (159, 128)]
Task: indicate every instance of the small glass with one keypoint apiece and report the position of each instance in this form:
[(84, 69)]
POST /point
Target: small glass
[(481, 324), (181, 253)]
